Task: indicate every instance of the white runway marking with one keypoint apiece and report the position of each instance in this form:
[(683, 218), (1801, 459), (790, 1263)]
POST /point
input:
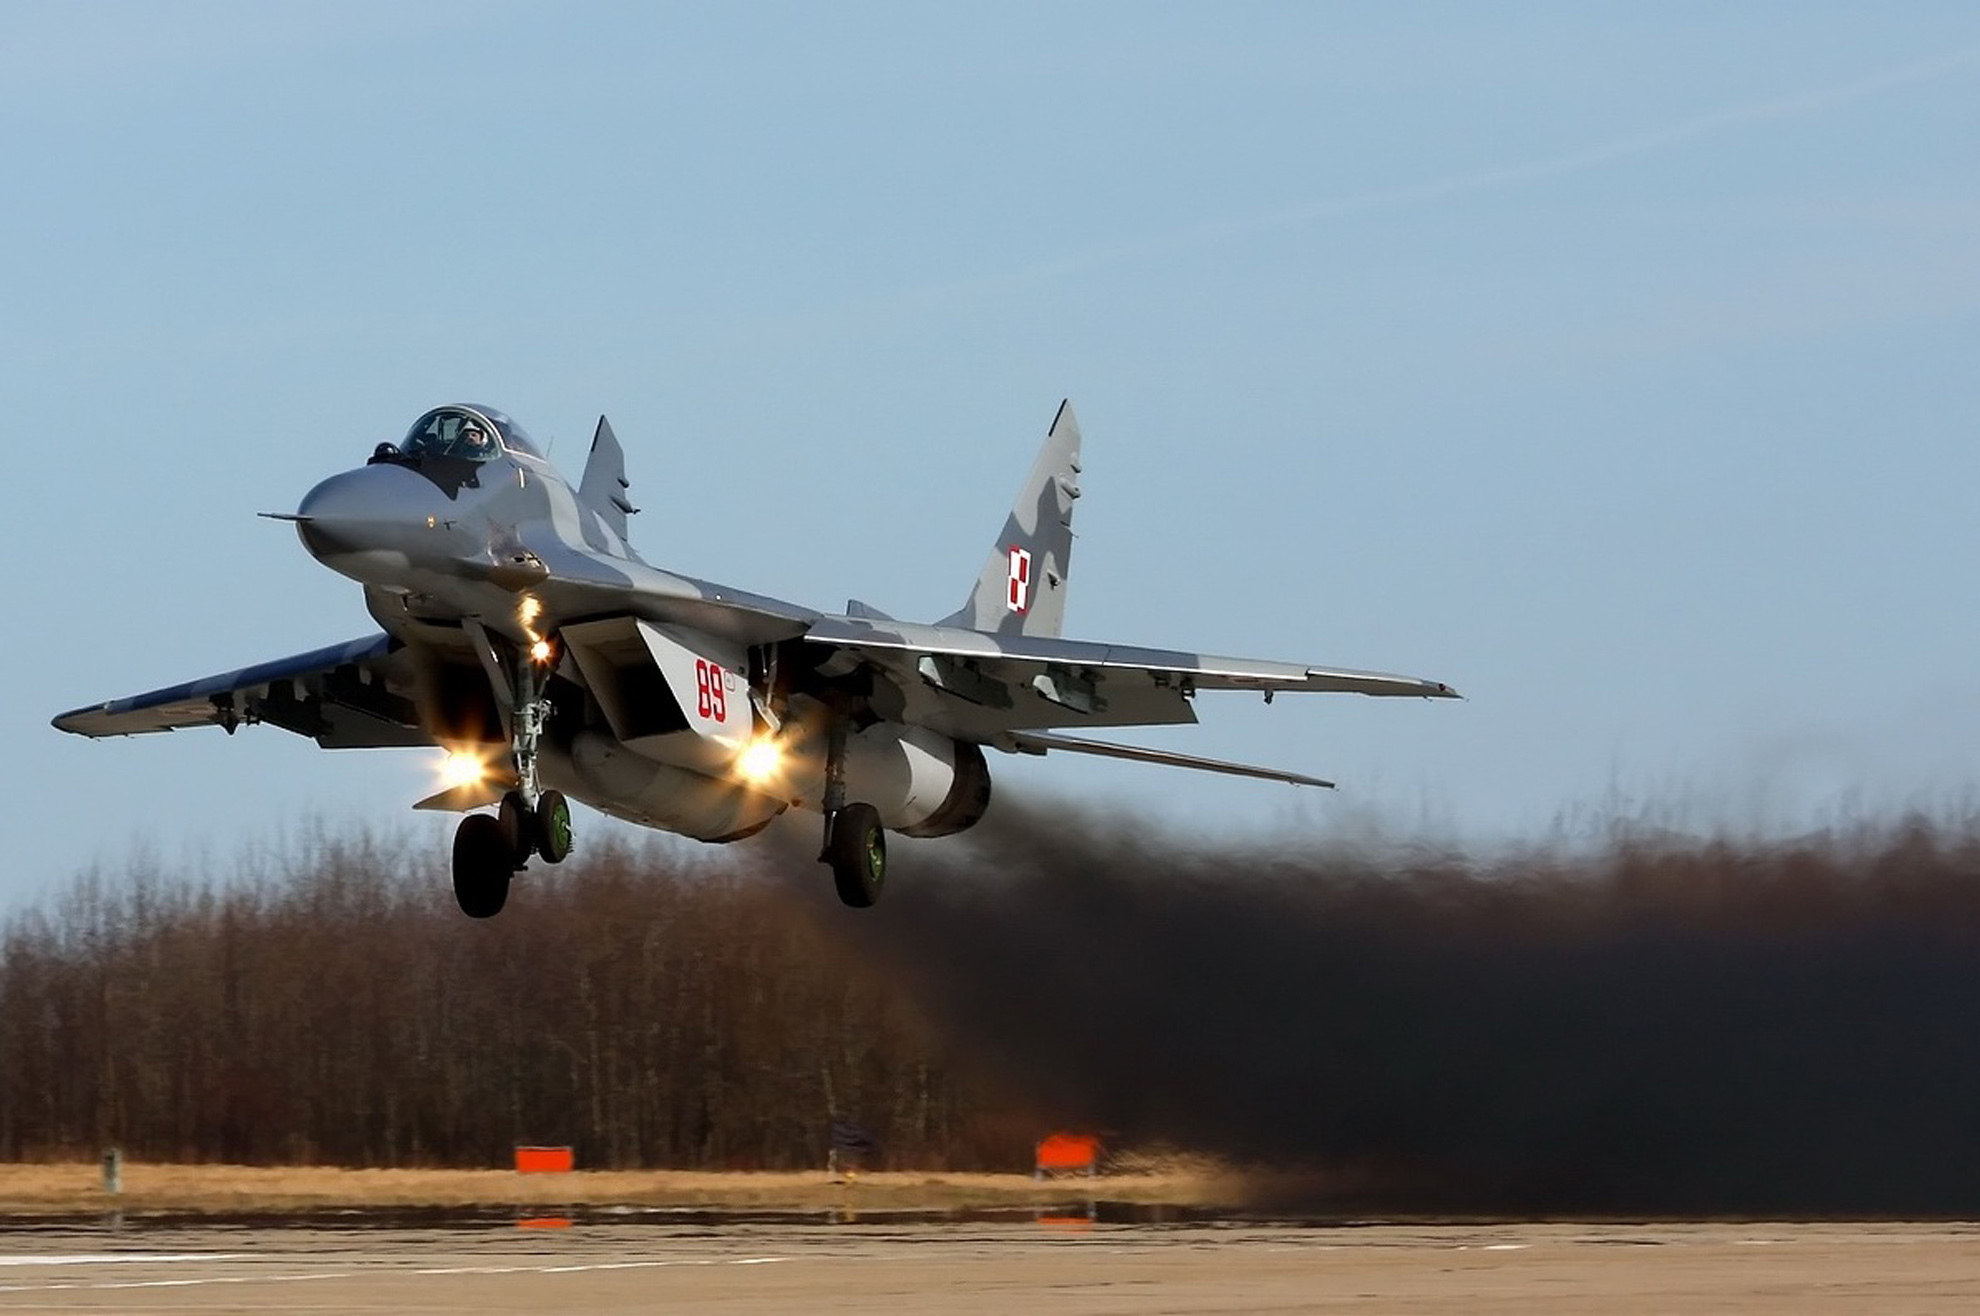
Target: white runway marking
[(178, 1283), (216, 1279), (196, 1281), (593, 1265), (102, 1258)]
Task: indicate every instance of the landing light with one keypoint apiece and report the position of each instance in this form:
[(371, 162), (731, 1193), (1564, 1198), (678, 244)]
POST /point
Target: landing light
[(462, 768), (539, 652), (759, 761)]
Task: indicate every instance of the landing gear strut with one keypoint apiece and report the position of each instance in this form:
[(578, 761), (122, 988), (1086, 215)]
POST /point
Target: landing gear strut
[(855, 842), (491, 849)]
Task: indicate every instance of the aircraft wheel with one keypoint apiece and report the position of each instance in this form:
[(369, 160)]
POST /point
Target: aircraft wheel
[(553, 827), (518, 827), (857, 851), (483, 864)]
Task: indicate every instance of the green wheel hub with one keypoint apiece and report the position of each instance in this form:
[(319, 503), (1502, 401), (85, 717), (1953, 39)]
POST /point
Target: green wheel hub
[(553, 826)]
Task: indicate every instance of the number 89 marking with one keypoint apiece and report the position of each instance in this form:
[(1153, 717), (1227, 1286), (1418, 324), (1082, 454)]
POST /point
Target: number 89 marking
[(710, 699)]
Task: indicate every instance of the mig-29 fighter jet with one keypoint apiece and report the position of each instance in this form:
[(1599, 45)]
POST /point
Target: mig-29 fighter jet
[(522, 633)]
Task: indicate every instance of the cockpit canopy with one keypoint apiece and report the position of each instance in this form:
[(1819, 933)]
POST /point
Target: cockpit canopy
[(468, 433)]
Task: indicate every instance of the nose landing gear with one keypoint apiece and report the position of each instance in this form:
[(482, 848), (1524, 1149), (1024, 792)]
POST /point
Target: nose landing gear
[(483, 864), (553, 827), (490, 849)]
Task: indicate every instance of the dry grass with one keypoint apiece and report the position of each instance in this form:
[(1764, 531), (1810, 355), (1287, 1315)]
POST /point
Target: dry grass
[(78, 1187)]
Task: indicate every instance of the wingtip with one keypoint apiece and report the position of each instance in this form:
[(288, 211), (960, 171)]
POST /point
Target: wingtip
[(72, 720)]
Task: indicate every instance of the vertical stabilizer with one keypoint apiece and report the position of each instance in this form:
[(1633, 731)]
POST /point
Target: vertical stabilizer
[(1022, 590), (604, 486)]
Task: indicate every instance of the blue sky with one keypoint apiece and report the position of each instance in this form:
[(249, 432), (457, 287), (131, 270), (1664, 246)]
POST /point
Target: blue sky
[(1613, 363)]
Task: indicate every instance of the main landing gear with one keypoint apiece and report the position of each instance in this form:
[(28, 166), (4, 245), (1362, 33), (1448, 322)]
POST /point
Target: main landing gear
[(856, 847), (489, 849), (855, 842)]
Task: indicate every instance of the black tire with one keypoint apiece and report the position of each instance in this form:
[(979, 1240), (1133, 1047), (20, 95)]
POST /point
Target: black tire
[(857, 851), (553, 827), (518, 827), (483, 864)]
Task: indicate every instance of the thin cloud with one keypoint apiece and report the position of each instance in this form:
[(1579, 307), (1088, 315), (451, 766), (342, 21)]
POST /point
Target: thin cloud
[(1788, 107), (1485, 180)]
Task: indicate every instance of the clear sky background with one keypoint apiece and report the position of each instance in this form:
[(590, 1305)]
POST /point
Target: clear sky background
[(1615, 364)]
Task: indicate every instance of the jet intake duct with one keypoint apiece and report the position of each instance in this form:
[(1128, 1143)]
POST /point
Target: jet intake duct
[(922, 782)]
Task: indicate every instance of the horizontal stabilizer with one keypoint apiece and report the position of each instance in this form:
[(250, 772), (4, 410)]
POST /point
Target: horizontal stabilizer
[(1031, 742)]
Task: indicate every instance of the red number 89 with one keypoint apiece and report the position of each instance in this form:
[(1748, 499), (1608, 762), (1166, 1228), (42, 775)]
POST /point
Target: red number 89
[(710, 699)]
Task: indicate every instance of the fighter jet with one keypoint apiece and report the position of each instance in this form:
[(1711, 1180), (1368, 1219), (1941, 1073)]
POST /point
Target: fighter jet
[(520, 632)]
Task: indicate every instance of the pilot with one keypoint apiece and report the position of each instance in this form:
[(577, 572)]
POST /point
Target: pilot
[(475, 438)]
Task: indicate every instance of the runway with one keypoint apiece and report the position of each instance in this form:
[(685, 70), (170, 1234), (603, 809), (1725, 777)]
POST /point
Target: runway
[(1067, 1266)]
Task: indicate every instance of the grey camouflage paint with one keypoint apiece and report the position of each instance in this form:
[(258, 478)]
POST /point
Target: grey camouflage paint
[(1040, 525), (435, 562)]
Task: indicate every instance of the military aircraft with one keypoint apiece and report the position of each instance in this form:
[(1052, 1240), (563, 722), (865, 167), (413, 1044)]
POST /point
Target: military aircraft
[(522, 633)]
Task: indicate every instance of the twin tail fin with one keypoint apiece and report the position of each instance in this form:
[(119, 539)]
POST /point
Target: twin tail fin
[(1022, 589)]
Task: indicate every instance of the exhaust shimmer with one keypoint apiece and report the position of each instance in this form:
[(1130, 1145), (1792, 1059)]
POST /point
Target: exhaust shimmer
[(1683, 1027)]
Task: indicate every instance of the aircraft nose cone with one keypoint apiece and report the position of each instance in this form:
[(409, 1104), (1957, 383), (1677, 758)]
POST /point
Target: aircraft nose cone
[(334, 516), (369, 510)]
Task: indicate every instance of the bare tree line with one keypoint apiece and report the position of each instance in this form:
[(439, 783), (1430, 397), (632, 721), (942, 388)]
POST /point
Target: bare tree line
[(1654, 1023), (342, 1011)]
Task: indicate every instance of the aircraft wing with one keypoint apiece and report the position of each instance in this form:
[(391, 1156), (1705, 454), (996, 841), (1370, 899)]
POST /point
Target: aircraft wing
[(339, 696), (984, 687)]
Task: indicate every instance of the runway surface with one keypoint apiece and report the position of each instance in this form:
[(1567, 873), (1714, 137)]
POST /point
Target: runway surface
[(648, 1263)]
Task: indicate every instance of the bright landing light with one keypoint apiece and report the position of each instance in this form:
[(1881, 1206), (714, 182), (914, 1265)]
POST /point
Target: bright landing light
[(759, 761), (539, 652), (461, 768)]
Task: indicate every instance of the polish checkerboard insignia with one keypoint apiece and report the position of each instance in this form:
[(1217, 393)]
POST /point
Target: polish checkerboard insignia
[(1018, 599)]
